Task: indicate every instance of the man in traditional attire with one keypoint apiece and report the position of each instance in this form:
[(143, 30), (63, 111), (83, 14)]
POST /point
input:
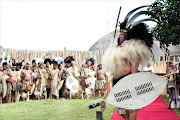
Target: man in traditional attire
[(55, 80), (36, 77), (34, 66), (26, 79), (178, 85), (5, 76), (101, 80), (70, 72), (19, 85), (1, 87), (47, 63), (129, 51), (60, 67), (5, 68), (42, 82), (83, 83), (90, 71), (12, 83), (171, 86)]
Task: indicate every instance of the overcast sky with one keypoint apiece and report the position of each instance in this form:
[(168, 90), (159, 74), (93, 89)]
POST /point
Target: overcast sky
[(55, 24)]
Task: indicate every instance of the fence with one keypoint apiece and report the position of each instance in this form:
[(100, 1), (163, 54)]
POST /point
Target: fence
[(159, 64), (28, 55)]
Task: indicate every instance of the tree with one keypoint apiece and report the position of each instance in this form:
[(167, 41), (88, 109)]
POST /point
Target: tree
[(167, 30)]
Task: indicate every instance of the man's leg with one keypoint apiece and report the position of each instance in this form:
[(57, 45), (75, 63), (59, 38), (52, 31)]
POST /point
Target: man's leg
[(12, 98), (44, 95), (178, 99), (170, 98), (27, 99), (0, 99), (167, 90), (96, 93), (54, 96), (173, 101), (126, 116), (132, 115), (9, 98), (102, 93), (39, 98), (48, 93)]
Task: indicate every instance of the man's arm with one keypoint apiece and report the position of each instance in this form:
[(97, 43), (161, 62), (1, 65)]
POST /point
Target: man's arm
[(134, 64), (59, 75), (50, 75), (22, 74), (31, 76)]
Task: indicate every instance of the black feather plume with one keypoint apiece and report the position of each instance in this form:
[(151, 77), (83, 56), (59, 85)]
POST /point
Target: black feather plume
[(141, 32)]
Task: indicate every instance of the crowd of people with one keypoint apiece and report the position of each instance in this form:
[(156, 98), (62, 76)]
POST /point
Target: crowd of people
[(51, 79)]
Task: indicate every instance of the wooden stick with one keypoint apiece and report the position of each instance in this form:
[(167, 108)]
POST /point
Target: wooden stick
[(169, 74), (176, 91)]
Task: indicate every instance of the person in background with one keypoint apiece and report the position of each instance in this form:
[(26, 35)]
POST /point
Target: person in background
[(47, 63), (178, 85), (55, 80), (1, 87), (171, 86), (19, 85), (148, 68), (26, 79), (101, 80), (12, 83), (34, 66)]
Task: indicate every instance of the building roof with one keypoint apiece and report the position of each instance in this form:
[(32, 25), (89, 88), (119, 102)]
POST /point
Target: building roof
[(104, 42)]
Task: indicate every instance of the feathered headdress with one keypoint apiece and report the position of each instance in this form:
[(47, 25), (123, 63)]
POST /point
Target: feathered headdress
[(34, 61), (91, 59), (69, 59), (13, 61), (4, 63), (59, 60), (3, 58), (47, 60), (19, 64), (54, 62), (137, 30), (37, 60)]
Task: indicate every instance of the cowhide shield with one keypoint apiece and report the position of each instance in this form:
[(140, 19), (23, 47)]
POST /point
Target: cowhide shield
[(136, 90), (72, 84)]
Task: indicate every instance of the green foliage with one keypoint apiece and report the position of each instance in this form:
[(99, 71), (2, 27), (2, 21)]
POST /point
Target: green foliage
[(167, 13)]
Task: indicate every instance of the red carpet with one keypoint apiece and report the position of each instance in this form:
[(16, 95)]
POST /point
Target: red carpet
[(155, 111)]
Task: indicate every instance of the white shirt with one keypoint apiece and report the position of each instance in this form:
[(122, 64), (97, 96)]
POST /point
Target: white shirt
[(148, 69)]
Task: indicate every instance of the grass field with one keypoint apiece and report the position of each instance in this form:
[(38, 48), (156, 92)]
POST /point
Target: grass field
[(166, 100), (70, 109)]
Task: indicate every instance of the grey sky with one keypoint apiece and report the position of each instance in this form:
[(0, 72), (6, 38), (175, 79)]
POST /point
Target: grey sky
[(55, 24)]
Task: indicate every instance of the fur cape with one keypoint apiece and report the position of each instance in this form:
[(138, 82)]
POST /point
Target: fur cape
[(118, 56)]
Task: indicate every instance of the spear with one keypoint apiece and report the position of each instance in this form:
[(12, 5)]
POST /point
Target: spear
[(117, 22)]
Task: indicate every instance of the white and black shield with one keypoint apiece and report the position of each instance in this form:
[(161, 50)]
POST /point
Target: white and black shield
[(136, 90)]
